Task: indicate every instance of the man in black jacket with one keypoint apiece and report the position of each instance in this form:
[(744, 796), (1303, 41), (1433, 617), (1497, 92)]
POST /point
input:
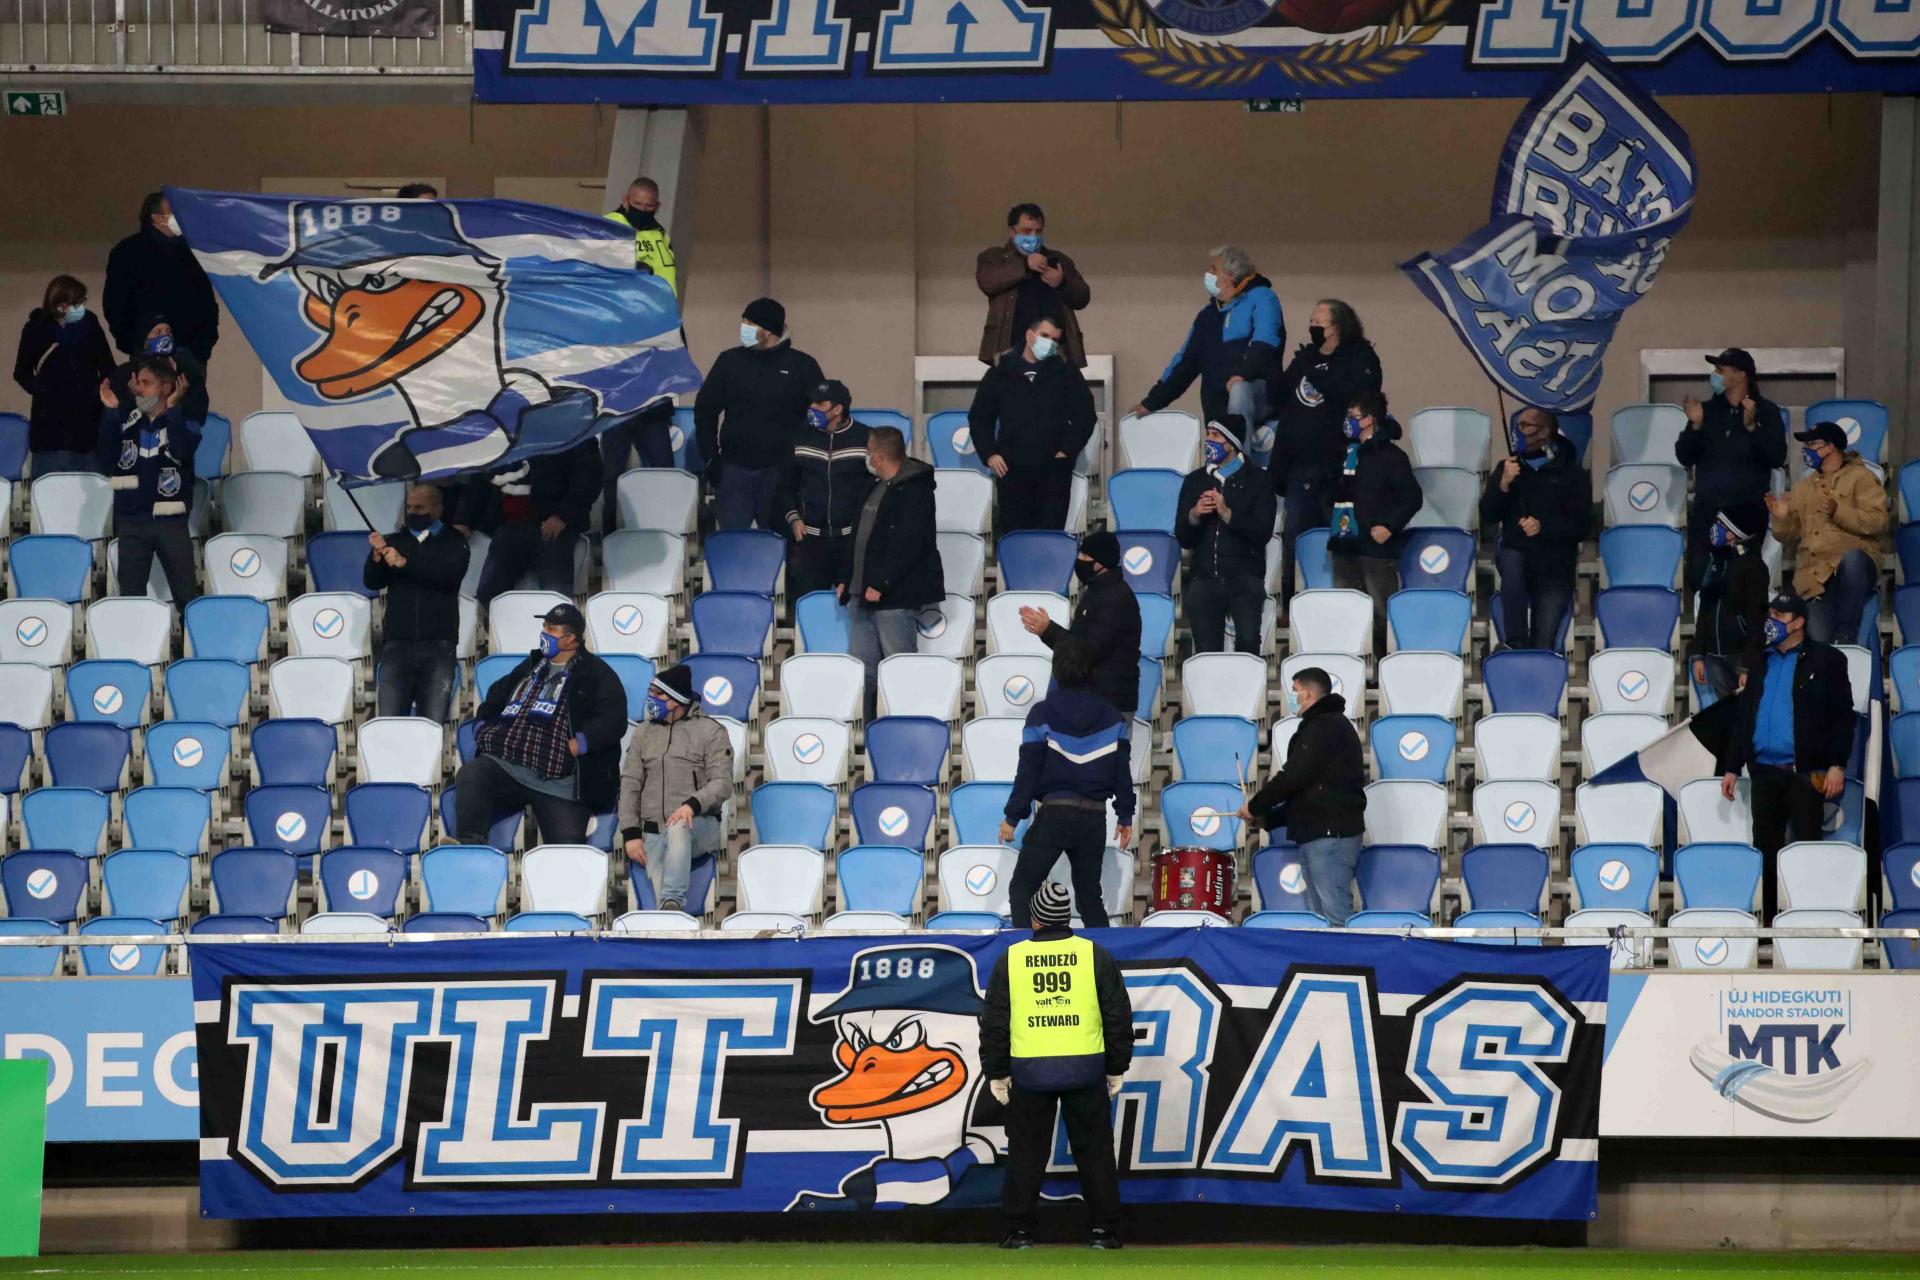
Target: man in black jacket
[(152, 271), (1224, 519), (1031, 416), (146, 452), (1375, 495), (1321, 795), (1332, 366), (1732, 445), (822, 488), (1056, 1037), (892, 567), (1734, 590), (1793, 730), (1543, 501), (533, 512), (1107, 617), (547, 735), (420, 569), (750, 408)]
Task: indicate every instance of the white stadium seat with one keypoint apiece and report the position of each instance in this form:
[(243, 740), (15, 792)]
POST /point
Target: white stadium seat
[(920, 684)]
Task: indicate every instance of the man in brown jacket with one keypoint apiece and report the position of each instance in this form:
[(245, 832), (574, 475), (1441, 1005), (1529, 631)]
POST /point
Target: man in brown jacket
[(677, 775), (1837, 512), (1023, 279)]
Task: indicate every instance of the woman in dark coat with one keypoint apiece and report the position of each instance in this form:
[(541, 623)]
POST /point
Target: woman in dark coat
[(63, 356)]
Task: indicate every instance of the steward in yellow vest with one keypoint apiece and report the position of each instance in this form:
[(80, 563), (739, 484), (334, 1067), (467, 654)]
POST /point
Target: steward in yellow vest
[(652, 248)]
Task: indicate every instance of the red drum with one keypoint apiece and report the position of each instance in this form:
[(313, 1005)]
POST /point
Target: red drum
[(1193, 880)]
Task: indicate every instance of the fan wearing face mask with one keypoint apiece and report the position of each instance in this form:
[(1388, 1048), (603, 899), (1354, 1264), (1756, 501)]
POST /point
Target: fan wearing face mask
[(1224, 520), (822, 488), (153, 272), (677, 774), (1023, 277), (1834, 518), (1543, 502), (1375, 496), (62, 357), (420, 568), (1732, 443), (1727, 639), (648, 435), (747, 414), (1031, 416)]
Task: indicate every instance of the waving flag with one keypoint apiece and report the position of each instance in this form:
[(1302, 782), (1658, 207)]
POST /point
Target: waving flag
[(425, 338), (1594, 183)]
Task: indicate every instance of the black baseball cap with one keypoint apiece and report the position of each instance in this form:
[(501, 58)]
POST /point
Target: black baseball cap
[(1734, 358), (1831, 432), (832, 391), (1787, 602), (565, 615)]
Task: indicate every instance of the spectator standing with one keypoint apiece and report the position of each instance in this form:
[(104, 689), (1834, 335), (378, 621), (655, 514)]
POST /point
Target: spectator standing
[(892, 569), (1333, 365), (648, 433), (547, 734), (1793, 732), (1837, 513), (420, 569), (1031, 416), (1319, 795), (1375, 495), (1024, 280), (678, 773), (146, 452), (1233, 346), (1056, 1039), (1542, 499), (824, 485), (62, 358), (750, 408), (533, 512), (1732, 444), (1224, 518), (160, 342), (1106, 616), (153, 272), (1734, 590)]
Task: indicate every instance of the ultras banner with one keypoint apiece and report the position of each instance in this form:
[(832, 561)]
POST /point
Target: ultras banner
[(633, 1075)]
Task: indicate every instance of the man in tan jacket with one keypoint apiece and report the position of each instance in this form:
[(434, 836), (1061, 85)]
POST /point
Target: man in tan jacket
[(678, 773), (1837, 513), (1023, 280)]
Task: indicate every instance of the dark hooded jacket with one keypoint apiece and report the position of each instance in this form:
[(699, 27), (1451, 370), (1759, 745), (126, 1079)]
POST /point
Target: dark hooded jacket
[(1311, 402), (60, 366), (1559, 495), (149, 273), (1323, 785), (1383, 491), (893, 549)]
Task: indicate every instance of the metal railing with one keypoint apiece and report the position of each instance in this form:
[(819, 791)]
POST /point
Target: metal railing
[(212, 37)]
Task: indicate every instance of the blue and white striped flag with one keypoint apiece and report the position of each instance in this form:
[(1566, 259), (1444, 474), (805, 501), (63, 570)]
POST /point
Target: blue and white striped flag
[(1689, 750), (433, 337)]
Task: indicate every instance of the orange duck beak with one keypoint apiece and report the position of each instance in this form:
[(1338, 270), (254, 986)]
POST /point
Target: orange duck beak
[(374, 339), (881, 1083)]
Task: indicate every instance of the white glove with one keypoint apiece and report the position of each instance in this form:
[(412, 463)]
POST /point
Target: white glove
[(1113, 1085), (1001, 1089)]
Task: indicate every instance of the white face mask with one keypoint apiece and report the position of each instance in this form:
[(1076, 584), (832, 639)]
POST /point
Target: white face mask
[(1211, 283), (172, 225), (1044, 347), (749, 334)]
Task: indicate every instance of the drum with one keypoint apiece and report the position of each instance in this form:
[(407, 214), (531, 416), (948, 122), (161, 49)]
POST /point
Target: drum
[(1193, 880)]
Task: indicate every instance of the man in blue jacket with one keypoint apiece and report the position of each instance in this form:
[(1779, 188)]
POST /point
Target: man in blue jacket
[(146, 452), (1233, 346)]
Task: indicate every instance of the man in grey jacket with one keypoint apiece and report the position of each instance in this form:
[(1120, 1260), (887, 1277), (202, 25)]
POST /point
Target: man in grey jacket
[(678, 772)]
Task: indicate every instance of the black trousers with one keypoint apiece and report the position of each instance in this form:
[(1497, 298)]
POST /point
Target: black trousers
[(1035, 495), (487, 791), (1089, 1120), (1210, 600), (1379, 578), (143, 538), (416, 678), (1786, 807), (813, 564), (515, 548), (1080, 835), (650, 435)]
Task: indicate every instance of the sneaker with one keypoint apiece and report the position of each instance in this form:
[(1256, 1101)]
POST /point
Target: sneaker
[(1018, 1239), (671, 904), (1103, 1239)]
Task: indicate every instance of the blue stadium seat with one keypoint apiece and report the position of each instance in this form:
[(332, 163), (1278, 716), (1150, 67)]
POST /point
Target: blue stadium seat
[(729, 685), (950, 441), (504, 834), (226, 924), (737, 622), (1522, 680), (125, 959), (16, 750), (106, 691), (1725, 876), (49, 566), (1151, 674), (464, 879), (337, 561), (794, 813), (1641, 555), (291, 751), (885, 418), (1284, 920), (146, 882), (65, 818), (208, 690), (1280, 880), (1616, 876), (978, 808), (1037, 560), (1437, 559), (1498, 615), (1638, 618), (1905, 735), (216, 438), (231, 627), (744, 560), (254, 882), (878, 877), (1389, 920), (1906, 799), (1150, 559), (1215, 749), (1906, 612), (1909, 485), (1314, 563), (636, 674), (547, 922), (175, 818), (444, 922), (88, 755), (1499, 920), (14, 437), (46, 884), (492, 669), (1144, 498), (388, 815), (1504, 877), (1906, 549), (464, 744), (892, 813), (1428, 619), (822, 621), (1156, 625), (1397, 877), (358, 878), (295, 819), (908, 749), (962, 921), (1900, 952), (686, 442), (1201, 814), (1419, 747), (29, 962), (1864, 421), (1901, 865)]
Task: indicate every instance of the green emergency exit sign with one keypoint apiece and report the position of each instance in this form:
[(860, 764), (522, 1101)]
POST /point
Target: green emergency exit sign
[(36, 102)]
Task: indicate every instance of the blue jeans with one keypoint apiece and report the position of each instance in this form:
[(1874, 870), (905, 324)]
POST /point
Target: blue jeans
[(1833, 616), (1329, 863), (1249, 400), (670, 856), (416, 678), (1533, 600), (745, 496), (874, 634)]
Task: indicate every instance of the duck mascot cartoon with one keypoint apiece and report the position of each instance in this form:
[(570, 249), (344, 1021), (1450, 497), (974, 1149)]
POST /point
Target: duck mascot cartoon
[(909, 1061)]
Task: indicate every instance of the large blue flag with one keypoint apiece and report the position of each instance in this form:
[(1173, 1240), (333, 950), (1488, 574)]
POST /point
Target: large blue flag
[(1595, 181), (433, 337)]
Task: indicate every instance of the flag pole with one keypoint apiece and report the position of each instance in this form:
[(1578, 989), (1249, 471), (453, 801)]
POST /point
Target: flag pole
[(356, 504)]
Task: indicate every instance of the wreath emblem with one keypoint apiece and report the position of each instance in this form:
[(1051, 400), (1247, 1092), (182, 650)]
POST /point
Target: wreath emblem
[(1202, 64)]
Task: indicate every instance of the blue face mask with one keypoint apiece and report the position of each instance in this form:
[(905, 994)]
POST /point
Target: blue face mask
[(1043, 348), (1351, 426), (1216, 453), (749, 334), (160, 344), (656, 708), (1211, 283), (1029, 244), (1773, 631), (1717, 382), (1536, 462), (75, 313), (1718, 538), (1811, 456), (549, 644), (816, 418)]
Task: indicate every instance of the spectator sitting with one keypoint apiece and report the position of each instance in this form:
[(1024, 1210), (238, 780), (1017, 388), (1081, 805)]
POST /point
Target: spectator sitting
[(153, 272), (1233, 345), (751, 406), (1836, 512), (1732, 444), (824, 485), (533, 512), (62, 358), (1374, 497), (678, 773), (1543, 501), (1733, 601), (892, 569), (1024, 280), (146, 452), (1106, 616), (420, 569), (1224, 519), (1031, 416), (1320, 795)]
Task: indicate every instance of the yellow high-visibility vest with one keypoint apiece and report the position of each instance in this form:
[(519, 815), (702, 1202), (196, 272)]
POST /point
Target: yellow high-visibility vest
[(1054, 1010), (652, 250)]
